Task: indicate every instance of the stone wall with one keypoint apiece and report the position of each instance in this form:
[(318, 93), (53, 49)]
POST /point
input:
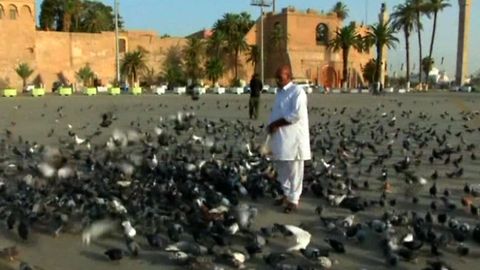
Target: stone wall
[(17, 37), (63, 54), (56, 55), (308, 58)]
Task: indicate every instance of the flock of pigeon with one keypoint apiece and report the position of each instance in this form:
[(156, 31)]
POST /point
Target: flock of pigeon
[(183, 186)]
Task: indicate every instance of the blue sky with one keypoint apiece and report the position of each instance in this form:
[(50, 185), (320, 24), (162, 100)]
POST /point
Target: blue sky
[(182, 17)]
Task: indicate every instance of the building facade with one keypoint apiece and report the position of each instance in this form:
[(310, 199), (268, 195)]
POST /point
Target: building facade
[(59, 55), (304, 47)]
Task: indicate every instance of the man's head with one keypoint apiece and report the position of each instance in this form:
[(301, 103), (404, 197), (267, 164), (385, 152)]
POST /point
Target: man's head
[(283, 75)]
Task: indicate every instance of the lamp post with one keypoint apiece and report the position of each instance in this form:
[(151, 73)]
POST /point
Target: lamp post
[(261, 4), (117, 49)]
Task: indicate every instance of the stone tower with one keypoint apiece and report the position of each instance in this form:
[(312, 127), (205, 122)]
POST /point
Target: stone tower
[(17, 34), (383, 17), (463, 38)]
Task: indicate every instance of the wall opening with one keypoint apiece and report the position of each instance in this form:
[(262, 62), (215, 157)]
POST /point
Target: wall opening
[(13, 12), (321, 34), (122, 45), (26, 12)]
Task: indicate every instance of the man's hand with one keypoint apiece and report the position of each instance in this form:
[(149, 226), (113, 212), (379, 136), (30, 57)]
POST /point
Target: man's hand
[(272, 128), (275, 125)]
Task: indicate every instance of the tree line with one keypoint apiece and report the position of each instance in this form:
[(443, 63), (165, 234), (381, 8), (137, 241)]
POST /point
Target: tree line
[(211, 58), (199, 58), (407, 18), (77, 16)]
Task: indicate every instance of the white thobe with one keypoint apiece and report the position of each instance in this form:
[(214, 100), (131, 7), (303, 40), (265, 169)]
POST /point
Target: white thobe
[(290, 144)]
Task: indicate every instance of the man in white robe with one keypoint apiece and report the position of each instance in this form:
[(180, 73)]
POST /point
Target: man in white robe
[(290, 138)]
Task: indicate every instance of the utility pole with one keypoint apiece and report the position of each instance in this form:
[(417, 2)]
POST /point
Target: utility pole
[(117, 49), (262, 4)]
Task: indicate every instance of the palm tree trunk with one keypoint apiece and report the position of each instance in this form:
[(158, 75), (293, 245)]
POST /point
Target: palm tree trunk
[(420, 56), (407, 52), (67, 22), (434, 29), (236, 64), (345, 52), (379, 65)]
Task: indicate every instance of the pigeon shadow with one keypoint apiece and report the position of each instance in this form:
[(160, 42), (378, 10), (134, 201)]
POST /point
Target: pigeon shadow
[(94, 256)]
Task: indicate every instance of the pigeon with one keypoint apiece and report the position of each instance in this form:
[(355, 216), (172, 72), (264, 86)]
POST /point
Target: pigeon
[(114, 254), (336, 245), (107, 120), (301, 238)]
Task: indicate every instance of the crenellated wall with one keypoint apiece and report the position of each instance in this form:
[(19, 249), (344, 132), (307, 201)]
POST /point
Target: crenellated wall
[(55, 55)]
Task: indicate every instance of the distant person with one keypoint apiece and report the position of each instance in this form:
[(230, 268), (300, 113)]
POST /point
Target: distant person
[(289, 138), (256, 87)]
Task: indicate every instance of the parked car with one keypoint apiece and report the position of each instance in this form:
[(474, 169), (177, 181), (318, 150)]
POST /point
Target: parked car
[(319, 89), (264, 90), (272, 90), (305, 84), (467, 88)]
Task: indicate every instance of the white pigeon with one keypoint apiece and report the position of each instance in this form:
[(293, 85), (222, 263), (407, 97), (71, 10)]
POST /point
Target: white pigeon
[(408, 238), (245, 214), (179, 256), (336, 200), (348, 221), (422, 181), (79, 140), (65, 172), (325, 164), (126, 168), (197, 139), (118, 207), (158, 131), (238, 259), (218, 210), (28, 179), (46, 170), (133, 136), (128, 229), (119, 137), (97, 229), (302, 237), (124, 184)]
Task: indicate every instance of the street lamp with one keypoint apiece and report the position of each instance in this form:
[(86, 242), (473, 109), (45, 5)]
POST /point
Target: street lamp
[(117, 50), (261, 4)]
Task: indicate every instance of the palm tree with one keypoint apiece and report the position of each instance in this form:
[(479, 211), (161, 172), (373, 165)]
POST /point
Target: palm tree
[(214, 69), (435, 6), (24, 71), (173, 71), (427, 65), (235, 27), (49, 15), (404, 17), (278, 40), (77, 16), (253, 56), (381, 35), (420, 8), (193, 53), (216, 43), (86, 75), (71, 8), (341, 10), (132, 64), (345, 39), (368, 71)]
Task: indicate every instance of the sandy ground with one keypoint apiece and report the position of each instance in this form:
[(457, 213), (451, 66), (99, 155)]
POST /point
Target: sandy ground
[(35, 118)]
